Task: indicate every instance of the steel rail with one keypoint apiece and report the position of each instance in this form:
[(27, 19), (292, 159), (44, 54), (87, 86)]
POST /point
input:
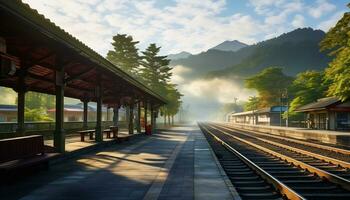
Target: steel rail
[(284, 190), (329, 148), (297, 150), (321, 173)]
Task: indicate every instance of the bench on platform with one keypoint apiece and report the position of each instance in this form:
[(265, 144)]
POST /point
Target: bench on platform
[(84, 132), (114, 130), (23, 152)]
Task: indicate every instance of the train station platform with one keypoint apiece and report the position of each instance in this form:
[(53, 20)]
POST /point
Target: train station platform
[(176, 163), (325, 136)]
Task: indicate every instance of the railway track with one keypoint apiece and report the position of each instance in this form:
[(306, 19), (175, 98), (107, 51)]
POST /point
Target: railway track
[(332, 151), (260, 173), (319, 160)]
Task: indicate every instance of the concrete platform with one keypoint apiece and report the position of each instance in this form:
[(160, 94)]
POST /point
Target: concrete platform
[(325, 136), (174, 164)]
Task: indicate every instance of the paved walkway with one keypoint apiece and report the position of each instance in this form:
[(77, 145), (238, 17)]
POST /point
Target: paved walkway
[(175, 164)]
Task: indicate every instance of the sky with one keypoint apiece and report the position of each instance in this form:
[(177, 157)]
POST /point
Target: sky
[(186, 25)]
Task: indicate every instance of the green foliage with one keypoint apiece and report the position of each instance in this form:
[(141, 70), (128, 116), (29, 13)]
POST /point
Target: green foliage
[(306, 88), (155, 71), (270, 84), (174, 101), (337, 37), (37, 115), (125, 54), (35, 100), (252, 103), (150, 68), (337, 40)]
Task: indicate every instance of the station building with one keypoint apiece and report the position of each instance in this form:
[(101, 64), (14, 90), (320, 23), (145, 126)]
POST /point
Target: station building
[(8, 113), (266, 116), (327, 114)]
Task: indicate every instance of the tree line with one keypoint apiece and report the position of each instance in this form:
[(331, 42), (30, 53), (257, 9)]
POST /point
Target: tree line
[(148, 67), (273, 86)]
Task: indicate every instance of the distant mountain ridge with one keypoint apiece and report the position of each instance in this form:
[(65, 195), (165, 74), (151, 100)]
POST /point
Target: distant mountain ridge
[(234, 45), (181, 55), (296, 51)]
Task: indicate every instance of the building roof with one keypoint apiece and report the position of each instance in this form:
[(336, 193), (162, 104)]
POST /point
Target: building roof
[(52, 31), (272, 109), (4, 107), (79, 108), (320, 104)]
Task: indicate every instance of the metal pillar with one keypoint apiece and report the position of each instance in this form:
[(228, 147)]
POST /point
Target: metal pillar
[(98, 131), (59, 135), (85, 117), (21, 92), (138, 119), (131, 118)]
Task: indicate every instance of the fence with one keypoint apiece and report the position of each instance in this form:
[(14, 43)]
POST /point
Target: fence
[(11, 127)]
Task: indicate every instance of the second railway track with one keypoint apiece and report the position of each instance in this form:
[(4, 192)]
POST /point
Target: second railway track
[(302, 180)]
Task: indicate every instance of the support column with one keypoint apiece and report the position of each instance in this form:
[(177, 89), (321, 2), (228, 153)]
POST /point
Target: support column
[(98, 131), (138, 119), (145, 117), (107, 113), (59, 135), (85, 116), (152, 119), (131, 118), (115, 115), (21, 92)]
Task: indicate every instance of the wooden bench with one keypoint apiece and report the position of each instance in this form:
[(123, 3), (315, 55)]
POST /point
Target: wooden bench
[(23, 152), (84, 132), (113, 130)]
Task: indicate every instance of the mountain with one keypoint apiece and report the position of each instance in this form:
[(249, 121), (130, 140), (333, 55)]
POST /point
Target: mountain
[(182, 54), (295, 51), (234, 45)]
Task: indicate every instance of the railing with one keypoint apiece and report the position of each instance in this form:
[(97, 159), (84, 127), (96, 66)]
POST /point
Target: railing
[(9, 127)]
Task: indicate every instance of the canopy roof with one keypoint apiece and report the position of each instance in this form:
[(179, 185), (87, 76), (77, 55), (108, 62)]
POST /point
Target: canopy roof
[(272, 109), (320, 104), (38, 48)]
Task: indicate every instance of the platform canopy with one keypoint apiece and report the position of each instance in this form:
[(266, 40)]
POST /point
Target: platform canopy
[(36, 49)]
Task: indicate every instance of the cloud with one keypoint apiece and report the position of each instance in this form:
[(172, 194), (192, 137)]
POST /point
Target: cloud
[(264, 7), (178, 72), (321, 8), (298, 21), (219, 90), (182, 25)]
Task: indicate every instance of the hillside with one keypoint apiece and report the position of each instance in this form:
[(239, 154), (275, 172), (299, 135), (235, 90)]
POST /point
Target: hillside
[(210, 60), (296, 51)]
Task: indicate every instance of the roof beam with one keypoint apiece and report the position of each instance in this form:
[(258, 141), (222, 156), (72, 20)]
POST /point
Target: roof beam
[(79, 75)]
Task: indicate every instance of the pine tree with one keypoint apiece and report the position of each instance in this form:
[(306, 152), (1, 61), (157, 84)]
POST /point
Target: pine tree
[(155, 70), (125, 54)]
